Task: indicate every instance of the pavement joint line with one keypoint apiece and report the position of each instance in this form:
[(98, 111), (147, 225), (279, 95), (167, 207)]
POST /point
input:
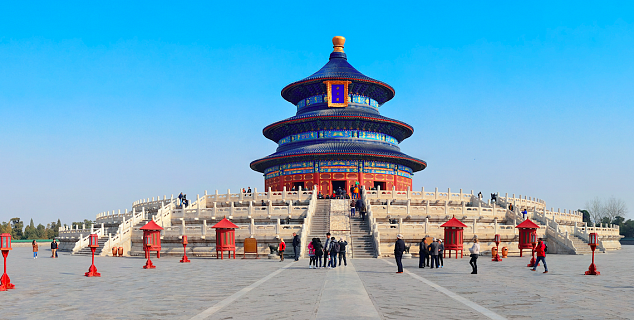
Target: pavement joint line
[(488, 313), (226, 301)]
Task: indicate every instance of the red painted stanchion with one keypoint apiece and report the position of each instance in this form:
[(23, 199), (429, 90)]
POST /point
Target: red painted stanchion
[(592, 270), (497, 251), (534, 243), (184, 250), (93, 244), (151, 242), (5, 246)]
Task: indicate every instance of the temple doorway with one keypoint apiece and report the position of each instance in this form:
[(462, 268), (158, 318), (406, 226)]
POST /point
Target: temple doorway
[(296, 185), (378, 184), (338, 184)]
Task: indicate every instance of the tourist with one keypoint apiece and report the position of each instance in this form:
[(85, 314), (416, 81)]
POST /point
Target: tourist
[(475, 252), (293, 188), (326, 247), (281, 249), (480, 195), (263, 203), (352, 208), (441, 251), (320, 195), (399, 248), (423, 254), (342, 251), (510, 206), (249, 190), (433, 250), (54, 249), (296, 245), (524, 214), (311, 254), (319, 251), (541, 255), (244, 190), (35, 249), (355, 194), (180, 199), (333, 250), (184, 201)]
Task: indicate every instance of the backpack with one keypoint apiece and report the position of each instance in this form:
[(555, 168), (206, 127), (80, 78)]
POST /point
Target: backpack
[(545, 247), (335, 247)]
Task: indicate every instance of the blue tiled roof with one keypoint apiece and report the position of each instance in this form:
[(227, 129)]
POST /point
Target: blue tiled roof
[(338, 68), (343, 150), (398, 129)]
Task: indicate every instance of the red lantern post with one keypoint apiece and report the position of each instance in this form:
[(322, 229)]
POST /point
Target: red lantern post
[(534, 244), (5, 246), (151, 242), (592, 270), (184, 251), (497, 246), (93, 244)]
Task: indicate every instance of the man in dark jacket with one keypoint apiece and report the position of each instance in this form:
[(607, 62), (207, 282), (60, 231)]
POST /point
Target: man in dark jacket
[(433, 250), (441, 251), (399, 248), (326, 248), (342, 251), (423, 251), (296, 245)]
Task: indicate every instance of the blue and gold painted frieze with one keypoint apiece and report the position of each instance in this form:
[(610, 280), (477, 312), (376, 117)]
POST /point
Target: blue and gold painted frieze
[(347, 166), (329, 134), (353, 98)]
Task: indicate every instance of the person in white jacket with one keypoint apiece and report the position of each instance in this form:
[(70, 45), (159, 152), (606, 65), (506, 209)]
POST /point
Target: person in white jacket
[(475, 252)]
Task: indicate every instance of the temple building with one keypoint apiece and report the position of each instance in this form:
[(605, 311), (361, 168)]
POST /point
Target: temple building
[(337, 137)]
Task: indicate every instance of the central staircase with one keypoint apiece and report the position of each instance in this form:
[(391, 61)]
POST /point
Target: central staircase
[(86, 250), (362, 244), (581, 247), (320, 223)]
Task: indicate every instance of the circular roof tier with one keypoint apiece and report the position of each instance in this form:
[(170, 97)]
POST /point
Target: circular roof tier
[(338, 119), (339, 150), (338, 68)]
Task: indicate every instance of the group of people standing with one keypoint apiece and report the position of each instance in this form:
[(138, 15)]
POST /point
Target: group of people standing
[(182, 198), (433, 252), (357, 206), (327, 252)]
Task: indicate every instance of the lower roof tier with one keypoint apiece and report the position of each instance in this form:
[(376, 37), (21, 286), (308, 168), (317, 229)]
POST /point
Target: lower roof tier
[(339, 150)]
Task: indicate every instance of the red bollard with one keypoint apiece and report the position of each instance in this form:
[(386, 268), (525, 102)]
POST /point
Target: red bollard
[(184, 251), (592, 270), (497, 251), (5, 246)]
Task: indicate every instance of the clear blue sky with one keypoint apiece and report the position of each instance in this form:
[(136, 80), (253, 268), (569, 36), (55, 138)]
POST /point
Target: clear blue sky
[(105, 103)]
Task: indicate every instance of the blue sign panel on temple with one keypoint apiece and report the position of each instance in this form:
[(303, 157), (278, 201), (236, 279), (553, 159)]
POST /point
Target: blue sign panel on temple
[(337, 93)]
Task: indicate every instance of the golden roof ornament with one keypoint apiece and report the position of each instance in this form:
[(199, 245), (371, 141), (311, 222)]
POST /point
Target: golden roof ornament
[(337, 43)]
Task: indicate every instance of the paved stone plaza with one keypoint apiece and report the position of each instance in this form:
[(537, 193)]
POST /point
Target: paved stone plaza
[(268, 289)]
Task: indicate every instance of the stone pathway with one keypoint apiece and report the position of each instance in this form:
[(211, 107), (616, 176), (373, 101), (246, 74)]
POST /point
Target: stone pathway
[(268, 289)]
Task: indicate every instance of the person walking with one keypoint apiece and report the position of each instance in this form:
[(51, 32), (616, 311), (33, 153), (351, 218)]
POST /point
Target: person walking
[(180, 199), (319, 251), (342, 251), (441, 251), (35, 249), (524, 214), (296, 245), (352, 208), (399, 248), (54, 249), (475, 252), (423, 252), (281, 249), (326, 248), (433, 250), (540, 249), (311, 254)]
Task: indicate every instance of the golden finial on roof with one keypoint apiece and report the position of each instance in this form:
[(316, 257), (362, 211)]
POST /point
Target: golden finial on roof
[(337, 43)]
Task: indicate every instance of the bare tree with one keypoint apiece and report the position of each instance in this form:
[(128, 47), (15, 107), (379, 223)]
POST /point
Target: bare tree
[(613, 208), (595, 207)]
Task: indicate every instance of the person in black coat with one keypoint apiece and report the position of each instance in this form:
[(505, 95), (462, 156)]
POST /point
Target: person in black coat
[(319, 250), (423, 252), (296, 245), (399, 248)]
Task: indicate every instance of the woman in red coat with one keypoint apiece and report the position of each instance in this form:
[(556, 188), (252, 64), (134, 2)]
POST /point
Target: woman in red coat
[(281, 249)]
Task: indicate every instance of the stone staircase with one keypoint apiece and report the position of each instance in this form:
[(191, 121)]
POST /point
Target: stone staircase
[(362, 245), (86, 251), (320, 223), (581, 247)]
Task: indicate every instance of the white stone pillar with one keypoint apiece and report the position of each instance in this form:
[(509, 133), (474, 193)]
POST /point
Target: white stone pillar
[(400, 225), (277, 227), (182, 227), (204, 229)]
